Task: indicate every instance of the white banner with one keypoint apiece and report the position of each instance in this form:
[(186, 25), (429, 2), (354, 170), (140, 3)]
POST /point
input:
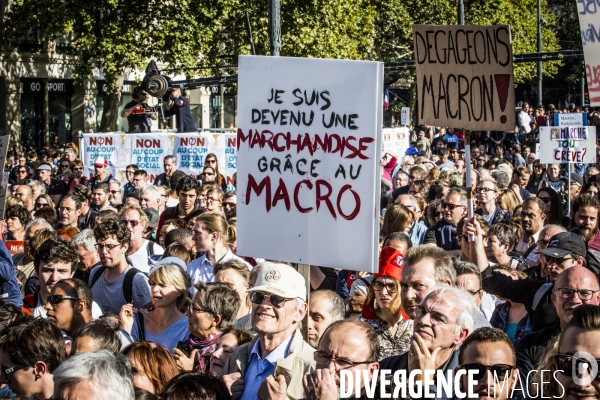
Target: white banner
[(396, 140), (308, 155), (148, 150), (405, 116), (567, 144), (589, 24)]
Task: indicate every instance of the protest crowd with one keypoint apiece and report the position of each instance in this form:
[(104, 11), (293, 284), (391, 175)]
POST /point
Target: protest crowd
[(134, 291)]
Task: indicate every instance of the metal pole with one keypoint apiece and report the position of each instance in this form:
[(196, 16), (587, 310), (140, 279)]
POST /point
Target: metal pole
[(250, 34), (274, 27), (461, 12), (539, 49), (569, 192), (583, 85)]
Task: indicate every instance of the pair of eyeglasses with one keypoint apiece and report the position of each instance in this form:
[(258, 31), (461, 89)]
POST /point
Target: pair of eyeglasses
[(484, 190), (390, 287), (545, 199), (436, 317), (211, 161), (275, 300), (22, 172), (569, 365), (78, 169), (6, 371), (40, 205), (323, 358), (109, 247), (197, 310), (115, 191), (68, 210), (129, 172), (207, 174), (499, 371), (439, 214), (57, 299), (65, 166), (133, 222), (228, 204), (568, 293), (211, 200), (451, 207)]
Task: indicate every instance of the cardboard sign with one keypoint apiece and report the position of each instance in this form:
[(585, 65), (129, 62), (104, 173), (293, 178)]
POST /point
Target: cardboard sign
[(570, 119), (148, 150), (567, 144), (589, 24), (15, 246), (308, 160), (465, 76)]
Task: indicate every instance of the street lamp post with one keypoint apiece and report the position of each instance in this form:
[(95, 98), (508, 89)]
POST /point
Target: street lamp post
[(274, 27), (461, 12), (539, 49)]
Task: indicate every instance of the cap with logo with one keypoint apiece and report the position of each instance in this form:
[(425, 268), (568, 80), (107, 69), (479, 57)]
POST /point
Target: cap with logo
[(565, 243), (280, 279), (100, 162)]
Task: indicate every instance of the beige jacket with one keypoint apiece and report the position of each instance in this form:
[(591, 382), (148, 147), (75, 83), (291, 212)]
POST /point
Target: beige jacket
[(299, 362)]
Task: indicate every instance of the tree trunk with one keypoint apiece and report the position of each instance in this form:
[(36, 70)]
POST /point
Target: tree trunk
[(110, 116)]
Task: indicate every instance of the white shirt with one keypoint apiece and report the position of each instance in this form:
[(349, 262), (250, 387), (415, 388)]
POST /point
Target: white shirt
[(533, 258), (172, 202), (201, 269), (524, 121), (140, 259)]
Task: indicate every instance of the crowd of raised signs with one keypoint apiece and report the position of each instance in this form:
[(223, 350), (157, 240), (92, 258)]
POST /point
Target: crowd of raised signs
[(123, 291)]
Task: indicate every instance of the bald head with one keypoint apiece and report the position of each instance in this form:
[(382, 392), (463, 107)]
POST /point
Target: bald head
[(574, 287), (576, 273)]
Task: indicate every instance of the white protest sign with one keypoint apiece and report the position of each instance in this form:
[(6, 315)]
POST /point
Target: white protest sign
[(148, 150), (568, 144), (396, 140), (589, 24), (570, 119), (405, 116), (308, 160), (465, 76)]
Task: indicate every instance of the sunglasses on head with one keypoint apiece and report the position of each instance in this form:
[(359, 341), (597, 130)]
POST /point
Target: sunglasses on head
[(497, 370), (570, 365), (276, 301)]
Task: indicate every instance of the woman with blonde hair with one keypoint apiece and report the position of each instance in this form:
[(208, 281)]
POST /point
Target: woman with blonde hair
[(164, 323), (397, 218), (507, 200), (212, 235)]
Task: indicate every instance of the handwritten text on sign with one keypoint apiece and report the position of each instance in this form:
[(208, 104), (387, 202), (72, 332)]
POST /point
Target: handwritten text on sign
[(568, 144), (317, 145), (307, 156), (588, 11), (465, 76)]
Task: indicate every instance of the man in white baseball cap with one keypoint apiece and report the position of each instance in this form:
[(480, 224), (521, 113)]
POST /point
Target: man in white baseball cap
[(100, 170), (276, 360)]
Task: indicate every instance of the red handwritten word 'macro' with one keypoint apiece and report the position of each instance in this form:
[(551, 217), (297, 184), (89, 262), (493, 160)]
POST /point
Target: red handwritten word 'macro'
[(329, 143), (323, 191)]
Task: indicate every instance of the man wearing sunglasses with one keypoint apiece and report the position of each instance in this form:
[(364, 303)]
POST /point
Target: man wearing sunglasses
[(69, 305), (490, 353), (54, 260), (140, 249), (30, 351), (572, 368), (443, 234), (277, 359), (101, 173)]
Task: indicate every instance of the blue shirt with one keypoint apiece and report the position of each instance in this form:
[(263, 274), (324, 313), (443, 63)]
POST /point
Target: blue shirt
[(259, 369), (417, 233), (451, 139)]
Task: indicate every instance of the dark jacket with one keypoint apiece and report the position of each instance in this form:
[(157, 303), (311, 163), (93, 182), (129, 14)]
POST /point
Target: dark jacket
[(443, 235), (396, 363), (9, 287), (532, 347), (499, 215), (185, 119), (522, 291)]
